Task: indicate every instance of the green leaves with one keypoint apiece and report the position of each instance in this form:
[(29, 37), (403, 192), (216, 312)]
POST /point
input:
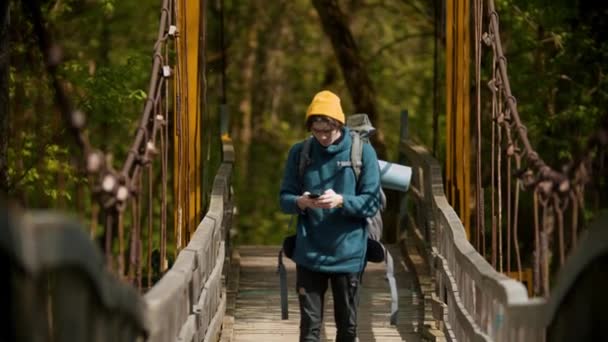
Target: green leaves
[(105, 70), (107, 7)]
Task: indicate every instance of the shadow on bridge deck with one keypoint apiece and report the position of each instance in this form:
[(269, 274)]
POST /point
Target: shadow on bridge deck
[(257, 313)]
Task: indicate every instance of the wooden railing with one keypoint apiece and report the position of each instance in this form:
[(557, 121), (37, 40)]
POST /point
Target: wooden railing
[(479, 304), (189, 301), (58, 287), (576, 310), (55, 286)]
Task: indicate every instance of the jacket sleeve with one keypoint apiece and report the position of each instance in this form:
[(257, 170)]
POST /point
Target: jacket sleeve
[(366, 202), (290, 186)]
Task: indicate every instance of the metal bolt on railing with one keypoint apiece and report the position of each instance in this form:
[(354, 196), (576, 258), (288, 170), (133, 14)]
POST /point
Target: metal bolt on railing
[(94, 161), (172, 31), (151, 148), (109, 183), (122, 193), (167, 71), (78, 119)]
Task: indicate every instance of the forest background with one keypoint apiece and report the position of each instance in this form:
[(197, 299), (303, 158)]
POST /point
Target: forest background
[(278, 55)]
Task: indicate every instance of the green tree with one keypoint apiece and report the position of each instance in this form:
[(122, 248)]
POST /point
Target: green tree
[(4, 105)]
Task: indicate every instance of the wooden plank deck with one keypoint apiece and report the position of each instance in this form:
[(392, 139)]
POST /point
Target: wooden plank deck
[(257, 314)]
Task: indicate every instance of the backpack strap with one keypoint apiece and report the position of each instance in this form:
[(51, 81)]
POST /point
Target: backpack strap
[(283, 286), (356, 153), (392, 283), (305, 159)]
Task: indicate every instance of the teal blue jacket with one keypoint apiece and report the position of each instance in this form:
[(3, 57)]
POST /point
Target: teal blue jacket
[(332, 240)]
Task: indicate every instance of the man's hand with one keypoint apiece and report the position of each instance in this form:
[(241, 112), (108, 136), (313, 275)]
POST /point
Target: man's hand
[(329, 199), (304, 201)]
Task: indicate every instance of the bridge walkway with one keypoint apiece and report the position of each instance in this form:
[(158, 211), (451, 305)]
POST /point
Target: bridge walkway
[(254, 301)]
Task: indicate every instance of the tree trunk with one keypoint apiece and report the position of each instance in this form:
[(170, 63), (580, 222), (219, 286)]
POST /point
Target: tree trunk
[(335, 25), (4, 99), (275, 67), (245, 106)]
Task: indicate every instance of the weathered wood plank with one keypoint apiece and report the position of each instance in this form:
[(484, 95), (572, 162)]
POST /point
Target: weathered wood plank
[(258, 316), (215, 326), (232, 286), (480, 301), (56, 287), (210, 297), (577, 306), (167, 306), (183, 304)]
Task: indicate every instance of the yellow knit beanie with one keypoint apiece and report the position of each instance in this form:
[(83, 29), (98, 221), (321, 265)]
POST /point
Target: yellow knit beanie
[(326, 103)]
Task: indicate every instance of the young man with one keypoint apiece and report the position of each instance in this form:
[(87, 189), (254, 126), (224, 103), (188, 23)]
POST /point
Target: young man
[(331, 237)]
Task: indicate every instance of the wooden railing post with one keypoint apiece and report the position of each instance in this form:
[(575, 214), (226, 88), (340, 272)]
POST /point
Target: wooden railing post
[(481, 304), (189, 301), (56, 286)]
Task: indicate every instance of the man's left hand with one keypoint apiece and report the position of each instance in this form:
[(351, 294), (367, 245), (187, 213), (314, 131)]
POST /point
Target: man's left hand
[(330, 199)]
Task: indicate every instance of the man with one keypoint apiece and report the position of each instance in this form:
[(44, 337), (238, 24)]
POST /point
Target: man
[(332, 206)]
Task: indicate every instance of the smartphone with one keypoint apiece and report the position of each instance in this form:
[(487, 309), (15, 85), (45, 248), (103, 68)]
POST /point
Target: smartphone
[(313, 195)]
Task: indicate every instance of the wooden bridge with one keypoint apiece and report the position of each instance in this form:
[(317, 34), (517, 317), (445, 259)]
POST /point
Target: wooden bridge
[(255, 309), (58, 286)]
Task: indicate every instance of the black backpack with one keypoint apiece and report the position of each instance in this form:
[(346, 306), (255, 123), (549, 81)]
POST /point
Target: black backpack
[(361, 130)]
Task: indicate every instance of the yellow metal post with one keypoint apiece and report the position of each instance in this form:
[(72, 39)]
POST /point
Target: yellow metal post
[(458, 108), (187, 127), (465, 114), (194, 128), (449, 59), (458, 92)]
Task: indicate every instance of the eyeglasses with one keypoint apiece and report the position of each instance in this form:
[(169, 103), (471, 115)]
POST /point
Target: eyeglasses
[(322, 131)]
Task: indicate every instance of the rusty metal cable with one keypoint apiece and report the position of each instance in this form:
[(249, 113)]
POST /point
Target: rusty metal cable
[(150, 226), (574, 224), (516, 216), (494, 89), (121, 244), (537, 249), (509, 191), (116, 190), (109, 227), (500, 120), (553, 192), (133, 237), (479, 224), (545, 235), (557, 179), (560, 206), (164, 160), (179, 132)]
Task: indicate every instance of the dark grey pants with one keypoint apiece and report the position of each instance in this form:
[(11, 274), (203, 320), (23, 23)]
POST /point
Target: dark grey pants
[(311, 287)]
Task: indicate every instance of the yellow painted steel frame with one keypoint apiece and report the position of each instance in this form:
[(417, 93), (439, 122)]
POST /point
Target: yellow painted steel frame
[(458, 156), (187, 123)]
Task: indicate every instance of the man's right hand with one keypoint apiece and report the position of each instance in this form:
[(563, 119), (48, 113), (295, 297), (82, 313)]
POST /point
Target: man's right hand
[(304, 201)]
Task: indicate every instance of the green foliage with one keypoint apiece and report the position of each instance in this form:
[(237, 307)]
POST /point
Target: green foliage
[(293, 59), (556, 71), (113, 97), (278, 57), (105, 68), (260, 220)]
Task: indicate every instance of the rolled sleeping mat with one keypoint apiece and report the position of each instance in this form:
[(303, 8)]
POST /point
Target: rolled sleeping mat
[(395, 176)]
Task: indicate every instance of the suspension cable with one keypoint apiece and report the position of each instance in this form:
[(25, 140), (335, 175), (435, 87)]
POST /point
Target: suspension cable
[(553, 191), (113, 189)]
